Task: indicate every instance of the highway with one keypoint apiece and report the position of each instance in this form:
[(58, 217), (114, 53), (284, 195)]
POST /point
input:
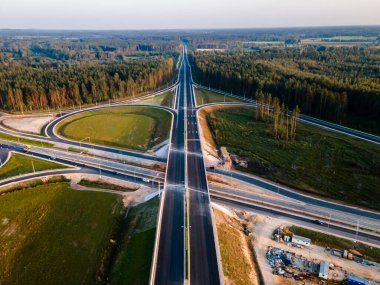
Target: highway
[(331, 228), (53, 137), (185, 169), (186, 192), (83, 165), (204, 268), (285, 191), (169, 256), (282, 202)]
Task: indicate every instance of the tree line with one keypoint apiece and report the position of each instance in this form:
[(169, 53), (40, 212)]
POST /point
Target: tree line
[(58, 85), (330, 83), (284, 123)]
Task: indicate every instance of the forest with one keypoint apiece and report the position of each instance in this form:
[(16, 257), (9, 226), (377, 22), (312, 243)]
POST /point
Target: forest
[(339, 84), (58, 70)]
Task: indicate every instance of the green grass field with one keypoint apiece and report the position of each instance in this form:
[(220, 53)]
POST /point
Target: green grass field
[(164, 99), (319, 162), (22, 164), (137, 128), (325, 240), (203, 96), (132, 265), (24, 141), (51, 234)]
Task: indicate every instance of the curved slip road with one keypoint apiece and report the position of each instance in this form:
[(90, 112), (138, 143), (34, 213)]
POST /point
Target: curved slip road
[(276, 188)]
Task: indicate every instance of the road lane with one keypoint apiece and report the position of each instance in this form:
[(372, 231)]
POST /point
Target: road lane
[(169, 265), (204, 267)]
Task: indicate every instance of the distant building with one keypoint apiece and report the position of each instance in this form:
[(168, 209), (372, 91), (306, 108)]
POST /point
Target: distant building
[(301, 240), (323, 270), (353, 280)]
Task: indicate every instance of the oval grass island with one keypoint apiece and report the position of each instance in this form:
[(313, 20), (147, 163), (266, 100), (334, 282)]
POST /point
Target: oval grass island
[(138, 128)]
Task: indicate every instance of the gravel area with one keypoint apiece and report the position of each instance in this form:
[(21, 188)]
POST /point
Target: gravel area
[(27, 124)]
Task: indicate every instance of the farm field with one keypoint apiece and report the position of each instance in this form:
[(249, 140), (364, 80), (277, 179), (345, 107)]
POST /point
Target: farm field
[(51, 233), (22, 164), (133, 262), (138, 128), (203, 96), (319, 162)]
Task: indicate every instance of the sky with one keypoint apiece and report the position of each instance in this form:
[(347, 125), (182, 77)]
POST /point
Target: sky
[(180, 14)]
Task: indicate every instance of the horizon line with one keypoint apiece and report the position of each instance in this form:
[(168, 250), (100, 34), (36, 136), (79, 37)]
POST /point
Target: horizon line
[(190, 29)]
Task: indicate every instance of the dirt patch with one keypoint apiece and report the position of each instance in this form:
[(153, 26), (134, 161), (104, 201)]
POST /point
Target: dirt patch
[(238, 264), (129, 198), (27, 124), (263, 232), (206, 134)]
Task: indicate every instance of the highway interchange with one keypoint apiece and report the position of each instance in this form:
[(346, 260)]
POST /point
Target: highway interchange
[(186, 247)]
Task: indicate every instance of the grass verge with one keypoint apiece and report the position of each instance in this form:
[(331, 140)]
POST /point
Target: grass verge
[(51, 234), (25, 141), (320, 162), (104, 185), (138, 128), (77, 150), (325, 240), (203, 96), (21, 164), (133, 262), (164, 99)]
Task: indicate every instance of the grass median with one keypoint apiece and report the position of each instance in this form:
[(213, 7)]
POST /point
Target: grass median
[(25, 141), (104, 185), (23, 164), (139, 128), (204, 96), (320, 162), (164, 99)]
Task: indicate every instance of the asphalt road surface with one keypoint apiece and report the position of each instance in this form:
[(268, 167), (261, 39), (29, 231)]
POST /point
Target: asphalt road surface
[(203, 256), (279, 201), (170, 262), (52, 137), (254, 180), (348, 233), (170, 265), (82, 167)]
